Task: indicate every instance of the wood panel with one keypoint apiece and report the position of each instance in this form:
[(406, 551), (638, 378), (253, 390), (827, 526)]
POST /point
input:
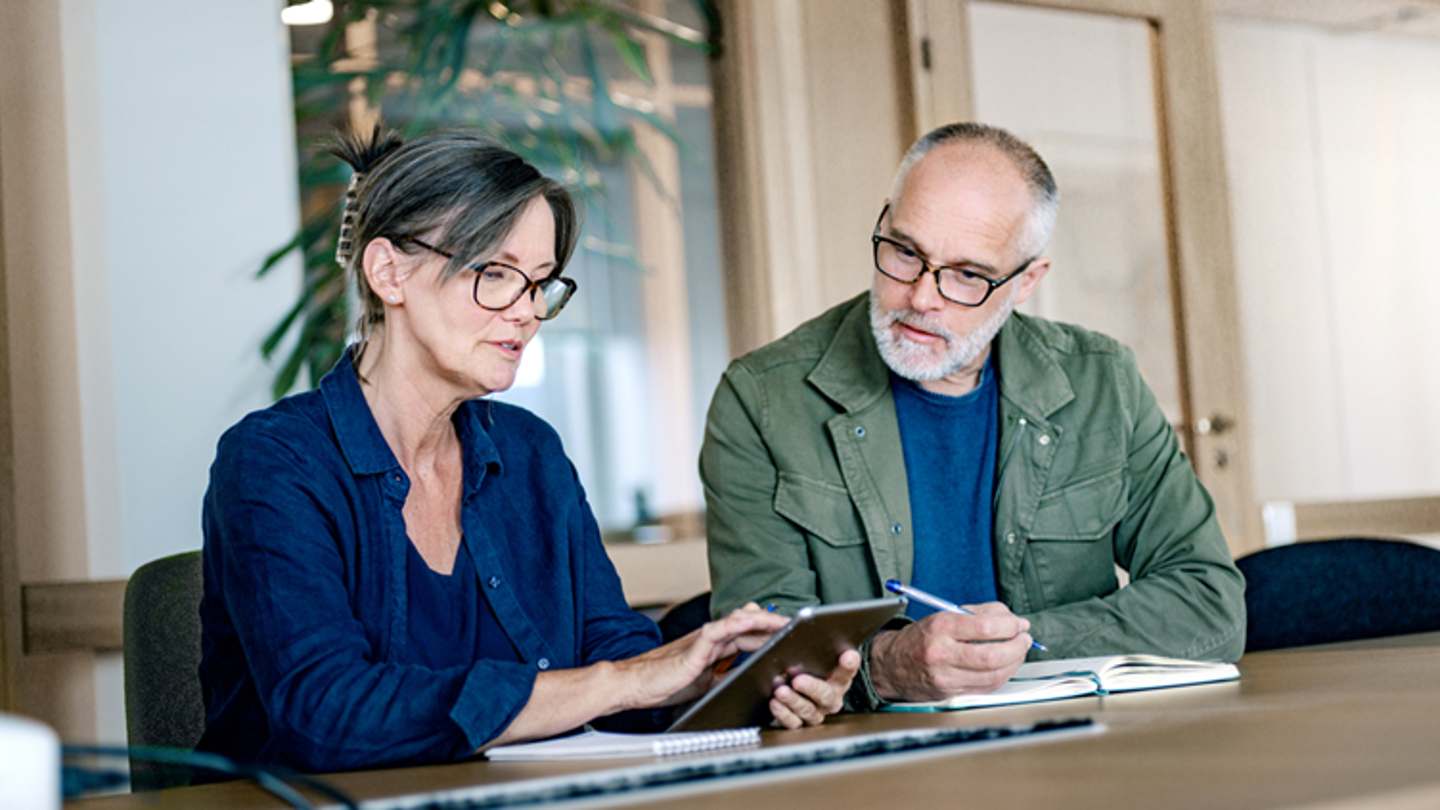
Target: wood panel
[(1362, 518), (10, 628), (72, 616)]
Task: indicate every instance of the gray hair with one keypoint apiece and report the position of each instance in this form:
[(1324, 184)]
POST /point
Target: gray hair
[(1045, 195), (466, 185)]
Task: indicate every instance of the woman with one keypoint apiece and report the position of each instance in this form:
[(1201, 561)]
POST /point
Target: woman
[(399, 572)]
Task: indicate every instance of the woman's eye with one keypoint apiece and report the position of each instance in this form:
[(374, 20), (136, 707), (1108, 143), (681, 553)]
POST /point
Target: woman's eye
[(492, 273)]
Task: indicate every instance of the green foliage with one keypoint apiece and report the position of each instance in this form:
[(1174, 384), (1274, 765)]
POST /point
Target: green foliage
[(535, 74)]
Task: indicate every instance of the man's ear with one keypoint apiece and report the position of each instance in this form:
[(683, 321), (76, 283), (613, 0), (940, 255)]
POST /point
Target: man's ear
[(385, 269), (1030, 279)]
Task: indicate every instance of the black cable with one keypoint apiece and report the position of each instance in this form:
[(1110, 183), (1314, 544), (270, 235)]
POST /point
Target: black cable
[(275, 780)]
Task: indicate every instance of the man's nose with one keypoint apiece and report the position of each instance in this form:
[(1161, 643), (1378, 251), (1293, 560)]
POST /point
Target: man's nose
[(925, 292)]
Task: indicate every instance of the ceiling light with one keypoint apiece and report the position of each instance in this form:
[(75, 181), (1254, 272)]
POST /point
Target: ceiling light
[(314, 12)]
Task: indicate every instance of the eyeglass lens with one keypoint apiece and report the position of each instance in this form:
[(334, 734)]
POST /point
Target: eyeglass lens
[(498, 286), (905, 265)]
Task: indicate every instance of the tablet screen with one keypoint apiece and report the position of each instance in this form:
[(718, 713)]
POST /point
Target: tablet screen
[(812, 642)]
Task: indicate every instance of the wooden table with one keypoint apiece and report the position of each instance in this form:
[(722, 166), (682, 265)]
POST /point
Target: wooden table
[(1353, 725)]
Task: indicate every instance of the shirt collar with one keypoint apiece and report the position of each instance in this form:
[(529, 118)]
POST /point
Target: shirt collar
[(364, 446)]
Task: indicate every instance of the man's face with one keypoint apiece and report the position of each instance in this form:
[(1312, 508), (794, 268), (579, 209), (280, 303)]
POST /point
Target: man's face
[(961, 205)]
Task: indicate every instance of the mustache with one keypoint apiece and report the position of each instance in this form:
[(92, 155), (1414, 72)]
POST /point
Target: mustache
[(915, 320)]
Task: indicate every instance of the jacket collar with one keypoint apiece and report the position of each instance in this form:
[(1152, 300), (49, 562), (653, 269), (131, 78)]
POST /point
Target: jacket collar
[(1030, 377), (851, 373)]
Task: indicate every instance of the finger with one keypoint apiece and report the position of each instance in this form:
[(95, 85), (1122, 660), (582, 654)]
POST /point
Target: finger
[(963, 628), (801, 706), (826, 696), (783, 716)]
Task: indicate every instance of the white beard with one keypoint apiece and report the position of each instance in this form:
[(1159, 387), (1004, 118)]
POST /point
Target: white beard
[(914, 362)]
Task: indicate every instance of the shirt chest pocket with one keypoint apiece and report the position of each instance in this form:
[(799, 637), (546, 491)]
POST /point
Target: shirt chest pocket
[(821, 509)]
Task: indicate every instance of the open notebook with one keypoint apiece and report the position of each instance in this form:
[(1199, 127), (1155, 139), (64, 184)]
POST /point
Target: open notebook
[(1074, 677)]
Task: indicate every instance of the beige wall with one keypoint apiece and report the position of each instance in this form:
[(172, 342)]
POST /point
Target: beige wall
[(813, 149), (42, 335)]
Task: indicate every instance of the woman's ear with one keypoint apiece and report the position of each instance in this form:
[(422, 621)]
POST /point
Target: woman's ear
[(385, 269)]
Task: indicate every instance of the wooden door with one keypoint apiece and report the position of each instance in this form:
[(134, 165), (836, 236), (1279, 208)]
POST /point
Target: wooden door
[(1163, 195)]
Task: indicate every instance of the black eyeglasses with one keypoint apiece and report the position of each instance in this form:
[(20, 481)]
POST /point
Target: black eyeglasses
[(959, 285), (498, 286)]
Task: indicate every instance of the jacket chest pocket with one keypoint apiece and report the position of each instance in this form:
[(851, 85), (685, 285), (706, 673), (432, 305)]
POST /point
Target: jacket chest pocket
[(821, 509), (1069, 554), (1082, 511)]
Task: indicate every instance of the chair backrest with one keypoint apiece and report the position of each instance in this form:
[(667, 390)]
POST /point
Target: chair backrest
[(1339, 590), (681, 619), (163, 703)]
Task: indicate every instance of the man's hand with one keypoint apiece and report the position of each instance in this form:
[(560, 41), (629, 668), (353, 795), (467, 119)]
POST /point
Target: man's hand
[(948, 654), (806, 700)]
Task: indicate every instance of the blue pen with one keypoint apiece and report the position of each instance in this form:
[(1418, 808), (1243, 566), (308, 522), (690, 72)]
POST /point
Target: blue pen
[(894, 586)]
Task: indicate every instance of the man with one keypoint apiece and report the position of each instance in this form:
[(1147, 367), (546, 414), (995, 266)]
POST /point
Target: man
[(926, 433)]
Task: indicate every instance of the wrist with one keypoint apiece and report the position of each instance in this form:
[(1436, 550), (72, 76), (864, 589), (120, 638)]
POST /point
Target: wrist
[(880, 673)]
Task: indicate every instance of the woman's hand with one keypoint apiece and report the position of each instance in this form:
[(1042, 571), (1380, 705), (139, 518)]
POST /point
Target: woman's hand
[(687, 668), (684, 669)]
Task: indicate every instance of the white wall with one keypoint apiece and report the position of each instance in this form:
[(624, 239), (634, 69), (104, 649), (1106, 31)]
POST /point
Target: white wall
[(1333, 149), (182, 178)]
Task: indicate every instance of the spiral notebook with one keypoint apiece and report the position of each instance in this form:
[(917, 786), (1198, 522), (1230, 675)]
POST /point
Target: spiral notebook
[(612, 745)]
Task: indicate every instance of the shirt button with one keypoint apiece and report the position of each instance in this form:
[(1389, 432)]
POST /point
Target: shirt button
[(493, 582), (896, 529), (1010, 537), (543, 663), (859, 431), (1022, 420), (1044, 440)]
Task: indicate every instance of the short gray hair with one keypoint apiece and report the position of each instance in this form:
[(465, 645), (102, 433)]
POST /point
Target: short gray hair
[(1045, 195)]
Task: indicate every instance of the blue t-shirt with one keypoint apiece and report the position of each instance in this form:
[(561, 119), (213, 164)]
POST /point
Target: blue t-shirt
[(949, 445)]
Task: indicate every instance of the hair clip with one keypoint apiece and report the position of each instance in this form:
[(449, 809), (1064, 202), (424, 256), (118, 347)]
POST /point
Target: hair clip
[(344, 246)]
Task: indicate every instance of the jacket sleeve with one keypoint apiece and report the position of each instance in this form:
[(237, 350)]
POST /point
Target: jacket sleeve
[(755, 554), (1185, 597), (279, 528)]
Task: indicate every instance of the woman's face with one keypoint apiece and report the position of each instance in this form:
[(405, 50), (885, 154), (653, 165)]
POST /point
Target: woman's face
[(465, 346)]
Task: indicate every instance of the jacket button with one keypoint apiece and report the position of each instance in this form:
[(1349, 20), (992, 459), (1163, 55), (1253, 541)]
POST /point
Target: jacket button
[(859, 431), (543, 663), (896, 529), (1010, 537), (1044, 440), (493, 582)]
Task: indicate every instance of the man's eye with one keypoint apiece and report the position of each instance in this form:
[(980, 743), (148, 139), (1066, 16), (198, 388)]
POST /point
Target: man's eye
[(907, 253)]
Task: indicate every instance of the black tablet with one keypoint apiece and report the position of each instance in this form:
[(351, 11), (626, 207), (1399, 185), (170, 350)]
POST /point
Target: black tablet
[(812, 642)]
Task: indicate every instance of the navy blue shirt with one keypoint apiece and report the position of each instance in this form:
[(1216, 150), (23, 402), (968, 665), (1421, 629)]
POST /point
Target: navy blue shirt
[(949, 446), (306, 653), (450, 622)]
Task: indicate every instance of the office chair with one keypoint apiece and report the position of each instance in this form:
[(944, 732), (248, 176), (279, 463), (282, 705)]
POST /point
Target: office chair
[(163, 703), (1339, 590), (685, 617)]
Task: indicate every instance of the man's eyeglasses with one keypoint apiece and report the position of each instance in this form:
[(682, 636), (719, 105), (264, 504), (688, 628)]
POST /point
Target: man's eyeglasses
[(498, 286), (960, 285)]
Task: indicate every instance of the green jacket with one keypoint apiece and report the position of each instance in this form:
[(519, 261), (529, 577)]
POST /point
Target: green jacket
[(808, 502)]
